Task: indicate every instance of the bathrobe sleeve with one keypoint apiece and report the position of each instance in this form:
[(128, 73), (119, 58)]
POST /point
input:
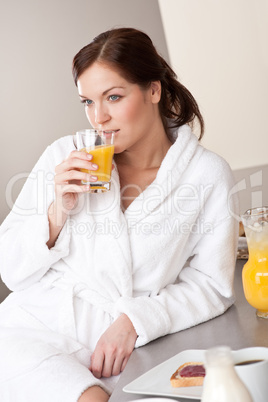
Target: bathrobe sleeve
[(25, 257), (204, 287)]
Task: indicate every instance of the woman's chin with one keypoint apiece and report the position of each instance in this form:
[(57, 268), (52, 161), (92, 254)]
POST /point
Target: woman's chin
[(118, 149)]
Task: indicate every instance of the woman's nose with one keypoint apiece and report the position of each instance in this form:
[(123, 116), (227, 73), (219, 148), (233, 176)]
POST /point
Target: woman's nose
[(101, 115)]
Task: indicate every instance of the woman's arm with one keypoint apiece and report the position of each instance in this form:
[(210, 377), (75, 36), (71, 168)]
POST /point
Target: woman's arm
[(204, 289), (34, 235), (67, 185), (55, 226), (25, 257)]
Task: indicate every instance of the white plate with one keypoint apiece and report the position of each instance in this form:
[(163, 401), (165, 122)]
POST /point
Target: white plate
[(153, 400), (157, 380)]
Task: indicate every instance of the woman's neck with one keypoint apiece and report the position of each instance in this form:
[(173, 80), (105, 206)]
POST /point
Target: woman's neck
[(148, 154)]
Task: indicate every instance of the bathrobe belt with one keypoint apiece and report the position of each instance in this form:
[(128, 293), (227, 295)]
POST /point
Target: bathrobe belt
[(72, 288)]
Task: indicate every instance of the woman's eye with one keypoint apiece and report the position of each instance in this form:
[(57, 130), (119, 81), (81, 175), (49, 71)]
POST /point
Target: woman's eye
[(114, 97), (87, 102)]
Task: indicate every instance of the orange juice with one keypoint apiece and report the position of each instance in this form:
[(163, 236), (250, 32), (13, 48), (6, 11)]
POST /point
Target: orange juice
[(103, 157), (255, 271)]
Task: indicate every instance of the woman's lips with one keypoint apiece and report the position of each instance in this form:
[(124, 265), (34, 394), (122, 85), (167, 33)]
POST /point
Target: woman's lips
[(109, 131)]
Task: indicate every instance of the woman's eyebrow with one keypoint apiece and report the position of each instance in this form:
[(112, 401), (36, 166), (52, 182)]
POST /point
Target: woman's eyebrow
[(115, 87), (105, 92)]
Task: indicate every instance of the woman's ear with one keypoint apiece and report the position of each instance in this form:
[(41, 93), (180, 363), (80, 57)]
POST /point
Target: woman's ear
[(155, 91)]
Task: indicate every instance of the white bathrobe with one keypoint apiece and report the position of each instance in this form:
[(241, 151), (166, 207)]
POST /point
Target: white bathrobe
[(167, 262)]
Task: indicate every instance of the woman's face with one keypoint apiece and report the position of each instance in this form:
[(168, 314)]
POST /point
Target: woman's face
[(112, 103)]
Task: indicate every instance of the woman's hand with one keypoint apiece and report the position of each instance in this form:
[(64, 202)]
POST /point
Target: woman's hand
[(68, 179), (113, 348), (68, 186)]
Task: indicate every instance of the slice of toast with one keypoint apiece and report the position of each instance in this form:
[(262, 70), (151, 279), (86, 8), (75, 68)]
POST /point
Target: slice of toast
[(189, 374), (241, 229)]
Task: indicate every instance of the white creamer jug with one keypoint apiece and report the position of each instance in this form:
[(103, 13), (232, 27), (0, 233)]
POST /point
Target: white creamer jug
[(222, 384)]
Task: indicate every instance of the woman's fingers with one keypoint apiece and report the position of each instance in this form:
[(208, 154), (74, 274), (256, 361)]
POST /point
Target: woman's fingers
[(72, 188), (76, 159), (118, 365), (68, 179), (80, 155), (104, 365), (108, 364), (96, 365), (75, 164), (75, 168), (74, 175), (114, 348), (124, 363)]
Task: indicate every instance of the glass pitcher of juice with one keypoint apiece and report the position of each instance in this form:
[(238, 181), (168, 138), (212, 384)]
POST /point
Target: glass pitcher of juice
[(255, 271)]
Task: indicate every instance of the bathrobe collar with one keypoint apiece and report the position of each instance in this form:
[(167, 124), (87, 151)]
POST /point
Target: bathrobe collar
[(172, 167)]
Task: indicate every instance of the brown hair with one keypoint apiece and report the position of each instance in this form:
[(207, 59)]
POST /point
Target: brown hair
[(132, 53)]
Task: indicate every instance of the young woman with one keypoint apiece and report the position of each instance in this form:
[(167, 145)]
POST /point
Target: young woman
[(96, 275)]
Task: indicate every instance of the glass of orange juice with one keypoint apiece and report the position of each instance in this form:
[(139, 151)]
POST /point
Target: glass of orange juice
[(255, 271), (100, 144)]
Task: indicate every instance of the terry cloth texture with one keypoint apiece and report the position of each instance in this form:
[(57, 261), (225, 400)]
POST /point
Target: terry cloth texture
[(167, 262)]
